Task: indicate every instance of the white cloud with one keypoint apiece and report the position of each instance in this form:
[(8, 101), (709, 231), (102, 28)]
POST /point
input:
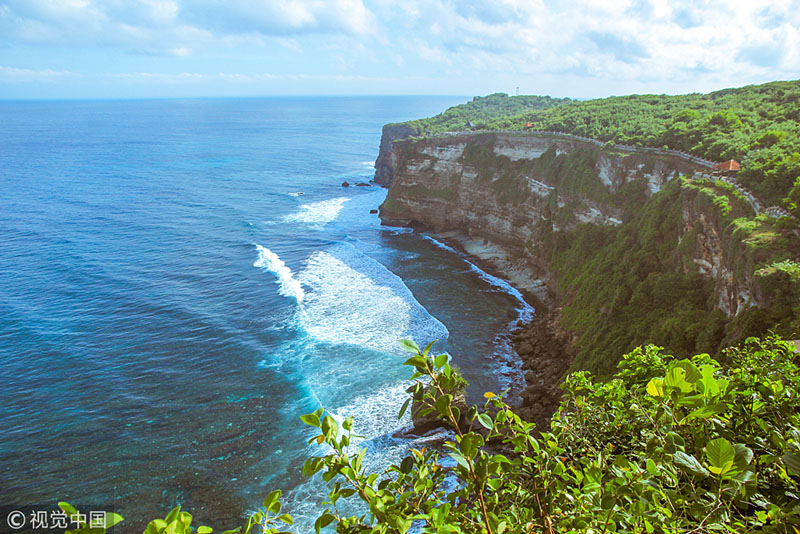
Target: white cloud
[(717, 42), (110, 22), (17, 75), (733, 42)]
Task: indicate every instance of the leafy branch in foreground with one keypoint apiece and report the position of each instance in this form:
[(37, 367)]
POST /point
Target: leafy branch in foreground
[(667, 445), (673, 446)]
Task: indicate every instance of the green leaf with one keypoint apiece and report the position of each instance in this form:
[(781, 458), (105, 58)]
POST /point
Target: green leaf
[(311, 419), (330, 428), (68, 508), (652, 468), (404, 408), (676, 378), (409, 345), (428, 347), (112, 519), (456, 413), (204, 530), (286, 518), (720, 454), (689, 463), (460, 460), (792, 462), (442, 403), (743, 456), (347, 424), (705, 412), (655, 388), (407, 464), (692, 373), (489, 395), (469, 444), (441, 360), (485, 420), (173, 515), (155, 526), (272, 498), (323, 521)]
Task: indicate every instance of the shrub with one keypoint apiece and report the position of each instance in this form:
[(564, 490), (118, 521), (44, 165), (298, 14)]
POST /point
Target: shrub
[(667, 445)]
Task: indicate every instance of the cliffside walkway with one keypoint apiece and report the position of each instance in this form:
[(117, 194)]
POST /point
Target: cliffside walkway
[(758, 207)]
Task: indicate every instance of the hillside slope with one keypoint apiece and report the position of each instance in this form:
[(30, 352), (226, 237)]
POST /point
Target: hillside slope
[(635, 247)]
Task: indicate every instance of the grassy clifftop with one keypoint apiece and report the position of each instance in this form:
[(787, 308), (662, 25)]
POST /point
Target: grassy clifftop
[(758, 125)]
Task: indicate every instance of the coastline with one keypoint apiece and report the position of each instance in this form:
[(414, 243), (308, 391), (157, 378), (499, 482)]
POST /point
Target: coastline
[(539, 342)]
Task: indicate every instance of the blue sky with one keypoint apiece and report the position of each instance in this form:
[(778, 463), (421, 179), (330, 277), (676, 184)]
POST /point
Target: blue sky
[(585, 48)]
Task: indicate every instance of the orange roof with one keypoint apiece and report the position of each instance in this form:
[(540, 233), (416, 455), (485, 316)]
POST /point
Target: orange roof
[(730, 165)]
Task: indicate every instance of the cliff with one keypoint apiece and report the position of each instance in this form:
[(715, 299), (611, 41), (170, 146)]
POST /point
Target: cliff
[(385, 165), (501, 188), (575, 216)]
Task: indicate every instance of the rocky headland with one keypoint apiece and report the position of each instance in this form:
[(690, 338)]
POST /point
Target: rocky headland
[(507, 198)]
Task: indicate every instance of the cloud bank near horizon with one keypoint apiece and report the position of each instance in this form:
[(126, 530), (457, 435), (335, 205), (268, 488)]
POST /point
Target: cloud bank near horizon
[(574, 48)]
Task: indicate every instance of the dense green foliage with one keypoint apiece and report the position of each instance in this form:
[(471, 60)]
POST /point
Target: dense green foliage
[(668, 445), (757, 125), (624, 285), (637, 282), (481, 111), (621, 286)]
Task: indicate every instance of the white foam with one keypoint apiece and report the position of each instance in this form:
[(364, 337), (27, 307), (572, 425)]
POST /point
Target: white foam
[(526, 311), (441, 245), (370, 163), (318, 213), (288, 286), (375, 418), (353, 299)]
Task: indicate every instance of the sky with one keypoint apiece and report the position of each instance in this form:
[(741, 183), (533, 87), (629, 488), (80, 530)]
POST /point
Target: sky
[(218, 48)]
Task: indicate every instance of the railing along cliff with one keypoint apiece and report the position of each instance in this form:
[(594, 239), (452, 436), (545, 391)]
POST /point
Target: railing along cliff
[(758, 206)]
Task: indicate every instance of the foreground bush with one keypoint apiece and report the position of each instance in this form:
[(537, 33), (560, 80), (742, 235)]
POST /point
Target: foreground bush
[(672, 446)]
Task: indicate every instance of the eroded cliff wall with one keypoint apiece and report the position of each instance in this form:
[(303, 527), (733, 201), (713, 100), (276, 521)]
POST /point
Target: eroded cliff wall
[(503, 188), (528, 197)]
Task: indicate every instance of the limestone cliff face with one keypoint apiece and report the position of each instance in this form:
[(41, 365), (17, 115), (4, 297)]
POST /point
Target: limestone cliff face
[(501, 188), (734, 284), (385, 165)]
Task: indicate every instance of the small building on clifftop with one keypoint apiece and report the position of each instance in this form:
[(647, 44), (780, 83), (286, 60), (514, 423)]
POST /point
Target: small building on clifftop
[(727, 167)]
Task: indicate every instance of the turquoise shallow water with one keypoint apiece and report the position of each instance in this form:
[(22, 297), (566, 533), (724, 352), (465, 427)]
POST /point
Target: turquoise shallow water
[(181, 279)]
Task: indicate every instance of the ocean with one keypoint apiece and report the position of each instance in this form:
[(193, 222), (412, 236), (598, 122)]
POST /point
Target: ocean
[(180, 280)]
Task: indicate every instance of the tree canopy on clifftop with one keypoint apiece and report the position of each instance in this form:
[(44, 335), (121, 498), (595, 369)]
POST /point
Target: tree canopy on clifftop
[(759, 125)]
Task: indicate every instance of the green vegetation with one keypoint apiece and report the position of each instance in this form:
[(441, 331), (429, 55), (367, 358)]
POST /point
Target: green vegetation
[(572, 174), (757, 125), (674, 446), (625, 285), (487, 112), (637, 282)]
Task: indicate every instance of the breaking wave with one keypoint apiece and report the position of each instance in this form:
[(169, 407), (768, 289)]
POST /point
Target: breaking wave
[(353, 299), (318, 213), (525, 310), (288, 285)]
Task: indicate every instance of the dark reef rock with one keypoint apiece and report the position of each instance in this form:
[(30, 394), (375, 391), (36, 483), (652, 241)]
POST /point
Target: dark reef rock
[(544, 350), (373, 211), (345, 184)]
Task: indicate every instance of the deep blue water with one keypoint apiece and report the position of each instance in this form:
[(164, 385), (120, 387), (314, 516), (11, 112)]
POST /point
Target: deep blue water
[(181, 279)]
